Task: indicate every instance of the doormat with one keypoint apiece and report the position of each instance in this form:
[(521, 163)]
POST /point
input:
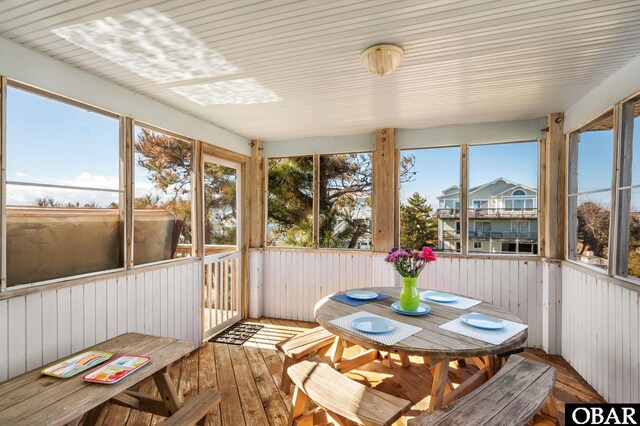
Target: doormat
[(237, 334)]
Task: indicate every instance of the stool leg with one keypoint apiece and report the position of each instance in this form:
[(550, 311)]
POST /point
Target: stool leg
[(285, 381), (298, 405)]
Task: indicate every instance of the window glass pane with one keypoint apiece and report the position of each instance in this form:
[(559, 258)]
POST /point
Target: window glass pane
[(430, 199), (634, 234), (635, 180), (220, 197), (595, 156), (593, 212), (162, 215), (504, 174), (345, 201), (62, 190), (290, 202)]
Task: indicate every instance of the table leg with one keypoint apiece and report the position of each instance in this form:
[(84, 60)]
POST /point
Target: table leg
[(167, 391), (92, 416), (440, 374)]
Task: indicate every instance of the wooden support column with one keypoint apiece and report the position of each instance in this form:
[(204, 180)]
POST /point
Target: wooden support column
[(3, 185), (127, 196), (384, 191), (256, 186), (555, 188), (553, 180), (255, 216)]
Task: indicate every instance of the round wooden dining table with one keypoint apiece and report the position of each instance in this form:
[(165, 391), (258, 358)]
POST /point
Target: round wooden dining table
[(438, 346)]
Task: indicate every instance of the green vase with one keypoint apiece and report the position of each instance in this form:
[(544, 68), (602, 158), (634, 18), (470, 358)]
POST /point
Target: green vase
[(409, 296)]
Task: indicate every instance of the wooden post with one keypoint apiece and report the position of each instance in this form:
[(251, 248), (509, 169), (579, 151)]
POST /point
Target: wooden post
[(3, 185), (553, 197), (256, 186), (555, 188), (384, 189), (127, 197), (624, 181)]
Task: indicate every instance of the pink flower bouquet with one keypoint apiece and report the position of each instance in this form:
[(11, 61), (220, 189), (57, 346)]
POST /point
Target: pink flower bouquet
[(409, 263)]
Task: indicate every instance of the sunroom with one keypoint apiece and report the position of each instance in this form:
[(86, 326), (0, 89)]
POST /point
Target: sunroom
[(301, 212)]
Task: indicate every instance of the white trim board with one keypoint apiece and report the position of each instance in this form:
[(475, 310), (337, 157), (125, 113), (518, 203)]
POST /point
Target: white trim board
[(27, 66), (319, 145), (615, 88), (472, 134)]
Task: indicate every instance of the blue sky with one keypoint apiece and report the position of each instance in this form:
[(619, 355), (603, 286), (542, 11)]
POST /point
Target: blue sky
[(439, 168), (51, 142)]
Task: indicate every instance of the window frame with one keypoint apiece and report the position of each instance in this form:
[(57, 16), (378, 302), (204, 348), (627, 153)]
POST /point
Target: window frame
[(571, 141), (126, 205), (315, 222)]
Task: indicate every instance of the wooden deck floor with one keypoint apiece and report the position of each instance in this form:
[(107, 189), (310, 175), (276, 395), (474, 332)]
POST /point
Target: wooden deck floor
[(248, 377)]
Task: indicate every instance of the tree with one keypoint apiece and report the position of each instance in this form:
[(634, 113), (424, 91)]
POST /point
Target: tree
[(168, 161), (343, 194), (418, 228), (593, 228)]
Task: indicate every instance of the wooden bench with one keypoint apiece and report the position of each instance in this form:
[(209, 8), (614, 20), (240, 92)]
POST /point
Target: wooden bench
[(195, 411), (315, 341), (327, 392), (520, 390)]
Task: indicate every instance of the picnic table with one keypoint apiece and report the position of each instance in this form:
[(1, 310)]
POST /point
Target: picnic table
[(35, 399), (438, 346)]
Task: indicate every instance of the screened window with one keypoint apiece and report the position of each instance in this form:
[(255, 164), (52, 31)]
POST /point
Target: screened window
[(629, 192), (63, 189), (290, 202), (344, 195), (589, 203), (162, 207), (507, 176), (430, 200)]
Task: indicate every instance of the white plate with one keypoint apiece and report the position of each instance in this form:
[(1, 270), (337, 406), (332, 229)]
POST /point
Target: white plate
[(485, 322), (362, 294), (374, 325), (436, 296)]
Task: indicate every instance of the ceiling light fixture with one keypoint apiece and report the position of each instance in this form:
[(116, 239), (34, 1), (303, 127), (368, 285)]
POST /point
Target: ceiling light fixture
[(382, 59)]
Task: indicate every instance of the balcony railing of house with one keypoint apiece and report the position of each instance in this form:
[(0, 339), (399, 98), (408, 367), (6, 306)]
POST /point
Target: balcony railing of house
[(503, 236), (490, 213), (493, 235)]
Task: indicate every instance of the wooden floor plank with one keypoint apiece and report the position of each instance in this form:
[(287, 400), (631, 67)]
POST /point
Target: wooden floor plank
[(248, 378)]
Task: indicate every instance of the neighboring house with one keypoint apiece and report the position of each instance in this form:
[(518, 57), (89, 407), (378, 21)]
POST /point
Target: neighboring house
[(361, 210), (503, 218)]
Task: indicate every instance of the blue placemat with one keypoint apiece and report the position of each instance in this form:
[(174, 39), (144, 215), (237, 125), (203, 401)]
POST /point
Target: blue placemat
[(343, 298)]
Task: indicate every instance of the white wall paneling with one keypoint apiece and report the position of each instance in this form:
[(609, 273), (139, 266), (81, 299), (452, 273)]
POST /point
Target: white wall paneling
[(601, 333), (292, 281), (552, 306), (43, 326)]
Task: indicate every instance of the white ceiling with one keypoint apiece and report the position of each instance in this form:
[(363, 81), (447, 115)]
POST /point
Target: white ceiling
[(466, 61)]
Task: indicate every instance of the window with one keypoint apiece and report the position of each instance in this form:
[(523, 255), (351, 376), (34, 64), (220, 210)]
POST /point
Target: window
[(477, 245), (506, 175), (480, 204), (344, 194), (162, 215), (589, 203), (430, 200), (63, 189), (221, 187), (628, 260), (290, 202)]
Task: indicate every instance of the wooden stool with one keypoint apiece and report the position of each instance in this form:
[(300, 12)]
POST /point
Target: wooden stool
[(315, 341), (513, 396), (329, 393)]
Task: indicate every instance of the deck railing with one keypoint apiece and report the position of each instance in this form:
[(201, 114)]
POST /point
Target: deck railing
[(221, 291), (490, 213), (492, 235)]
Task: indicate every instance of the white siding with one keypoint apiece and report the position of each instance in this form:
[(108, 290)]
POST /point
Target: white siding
[(293, 281), (44, 326), (601, 333)]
